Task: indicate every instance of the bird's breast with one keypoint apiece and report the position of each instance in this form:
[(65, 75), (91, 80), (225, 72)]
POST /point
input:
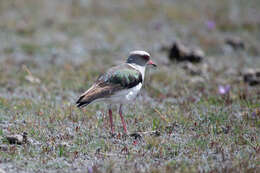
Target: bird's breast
[(126, 95), (132, 93)]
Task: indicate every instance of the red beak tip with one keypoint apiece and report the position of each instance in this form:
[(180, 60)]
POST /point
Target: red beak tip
[(152, 63)]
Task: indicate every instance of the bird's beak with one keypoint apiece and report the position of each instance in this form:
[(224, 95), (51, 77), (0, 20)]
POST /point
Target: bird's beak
[(150, 62)]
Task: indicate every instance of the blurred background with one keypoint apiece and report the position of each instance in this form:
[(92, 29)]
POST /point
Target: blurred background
[(79, 30)]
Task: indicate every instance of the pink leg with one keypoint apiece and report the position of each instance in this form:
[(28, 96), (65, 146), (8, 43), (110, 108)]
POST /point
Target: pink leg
[(111, 120), (122, 119)]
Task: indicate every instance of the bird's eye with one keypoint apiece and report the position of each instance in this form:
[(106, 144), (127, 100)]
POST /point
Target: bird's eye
[(146, 57)]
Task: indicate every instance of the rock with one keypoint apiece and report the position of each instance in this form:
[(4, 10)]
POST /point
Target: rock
[(136, 135), (252, 76), (156, 133), (180, 52), (17, 139), (235, 42)]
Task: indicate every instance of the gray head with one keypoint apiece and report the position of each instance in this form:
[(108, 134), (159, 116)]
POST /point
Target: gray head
[(140, 58)]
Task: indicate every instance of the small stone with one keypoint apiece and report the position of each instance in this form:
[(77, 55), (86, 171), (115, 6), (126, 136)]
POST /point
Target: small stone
[(180, 52), (136, 135), (17, 139), (156, 133), (257, 73), (252, 76), (196, 55), (235, 43)]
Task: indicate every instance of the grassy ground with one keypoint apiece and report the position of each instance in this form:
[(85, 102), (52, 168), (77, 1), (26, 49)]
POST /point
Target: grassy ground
[(51, 51)]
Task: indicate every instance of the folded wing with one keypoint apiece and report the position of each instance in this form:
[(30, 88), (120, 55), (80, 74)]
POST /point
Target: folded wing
[(114, 80)]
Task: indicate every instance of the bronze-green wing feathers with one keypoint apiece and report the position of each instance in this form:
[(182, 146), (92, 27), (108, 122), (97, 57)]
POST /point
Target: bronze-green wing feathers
[(115, 79), (124, 75)]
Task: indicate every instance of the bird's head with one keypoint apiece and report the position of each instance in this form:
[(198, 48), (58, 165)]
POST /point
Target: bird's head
[(140, 58)]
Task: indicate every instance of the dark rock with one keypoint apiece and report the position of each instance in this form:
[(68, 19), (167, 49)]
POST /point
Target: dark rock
[(180, 52), (17, 139), (252, 76), (235, 43), (136, 135), (156, 133)]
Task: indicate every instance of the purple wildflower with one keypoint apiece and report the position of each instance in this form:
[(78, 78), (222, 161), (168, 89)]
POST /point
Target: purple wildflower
[(90, 169), (222, 90), (253, 115), (210, 24)]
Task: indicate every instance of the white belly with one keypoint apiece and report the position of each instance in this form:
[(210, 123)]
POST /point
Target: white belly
[(125, 96)]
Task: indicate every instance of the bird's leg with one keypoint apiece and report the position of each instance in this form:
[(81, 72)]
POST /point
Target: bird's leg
[(122, 119), (111, 120)]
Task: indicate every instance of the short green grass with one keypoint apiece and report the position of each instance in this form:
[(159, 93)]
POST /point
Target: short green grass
[(65, 46)]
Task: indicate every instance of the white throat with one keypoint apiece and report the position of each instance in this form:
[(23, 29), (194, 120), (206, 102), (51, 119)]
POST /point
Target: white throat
[(139, 68)]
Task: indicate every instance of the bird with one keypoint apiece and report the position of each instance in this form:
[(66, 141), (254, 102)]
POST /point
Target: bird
[(119, 85)]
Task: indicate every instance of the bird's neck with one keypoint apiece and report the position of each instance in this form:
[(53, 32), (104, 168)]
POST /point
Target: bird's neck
[(139, 68)]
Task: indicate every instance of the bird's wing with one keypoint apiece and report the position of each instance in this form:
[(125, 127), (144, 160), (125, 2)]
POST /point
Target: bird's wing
[(114, 80)]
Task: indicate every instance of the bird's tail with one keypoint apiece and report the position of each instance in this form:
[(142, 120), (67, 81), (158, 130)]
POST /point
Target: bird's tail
[(94, 93), (82, 101), (86, 98)]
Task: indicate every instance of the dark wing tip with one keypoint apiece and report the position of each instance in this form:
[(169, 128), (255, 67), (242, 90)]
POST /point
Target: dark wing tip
[(81, 103), (80, 98)]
